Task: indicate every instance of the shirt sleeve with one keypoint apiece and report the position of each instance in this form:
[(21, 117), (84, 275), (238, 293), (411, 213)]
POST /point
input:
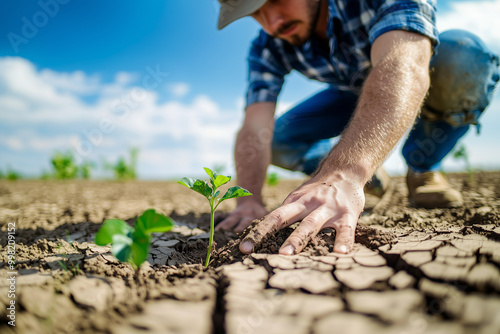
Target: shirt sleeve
[(417, 16), (266, 70)]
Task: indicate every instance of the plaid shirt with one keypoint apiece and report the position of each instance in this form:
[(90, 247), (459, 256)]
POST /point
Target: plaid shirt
[(352, 28)]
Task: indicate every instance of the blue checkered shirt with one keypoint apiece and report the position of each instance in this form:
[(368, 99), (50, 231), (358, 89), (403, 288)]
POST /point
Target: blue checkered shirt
[(352, 28)]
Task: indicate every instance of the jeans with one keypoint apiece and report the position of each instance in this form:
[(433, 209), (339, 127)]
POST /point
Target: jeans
[(464, 74)]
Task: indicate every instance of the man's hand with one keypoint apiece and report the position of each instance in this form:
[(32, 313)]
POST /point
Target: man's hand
[(334, 202), (243, 216)]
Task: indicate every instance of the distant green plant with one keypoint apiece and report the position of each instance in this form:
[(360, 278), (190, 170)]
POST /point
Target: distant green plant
[(211, 193), (12, 175), (64, 165), (272, 179), (123, 169), (45, 175), (462, 154), (85, 169), (131, 244)]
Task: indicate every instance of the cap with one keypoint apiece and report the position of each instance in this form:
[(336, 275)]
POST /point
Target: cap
[(232, 10)]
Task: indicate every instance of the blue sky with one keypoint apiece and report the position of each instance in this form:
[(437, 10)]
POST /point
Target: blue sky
[(101, 76)]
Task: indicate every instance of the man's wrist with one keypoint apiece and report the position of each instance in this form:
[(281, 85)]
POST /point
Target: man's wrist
[(358, 173)]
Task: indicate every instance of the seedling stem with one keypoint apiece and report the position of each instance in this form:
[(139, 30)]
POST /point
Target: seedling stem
[(211, 194)]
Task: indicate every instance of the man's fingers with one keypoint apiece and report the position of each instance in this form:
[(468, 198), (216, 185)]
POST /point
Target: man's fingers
[(344, 239), (277, 219), (308, 228)]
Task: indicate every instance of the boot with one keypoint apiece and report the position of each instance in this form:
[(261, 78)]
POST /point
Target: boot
[(379, 183), (431, 190)]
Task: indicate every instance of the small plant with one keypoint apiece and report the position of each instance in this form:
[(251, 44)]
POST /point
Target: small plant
[(85, 169), (131, 244), (12, 175), (272, 179), (211, 193), (64, 165), (75, 268), (461, 154), (123, 169), (45, 175)]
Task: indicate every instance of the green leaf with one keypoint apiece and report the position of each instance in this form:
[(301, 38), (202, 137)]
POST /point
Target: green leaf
[(216, 180), (187, 181), (199, 186), (152, 221), (110, 228), (221, 180), (235, 192), (140, 235), (140, 251), (140, 246), (121, 248), (210, 173)]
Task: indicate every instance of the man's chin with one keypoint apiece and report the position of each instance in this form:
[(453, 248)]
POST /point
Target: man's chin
[(296, 40)]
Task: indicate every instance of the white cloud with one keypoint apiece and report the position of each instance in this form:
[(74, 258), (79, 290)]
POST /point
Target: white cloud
[(179, 89), (14, 143), (478, 17), (46, 111), (76, 82)]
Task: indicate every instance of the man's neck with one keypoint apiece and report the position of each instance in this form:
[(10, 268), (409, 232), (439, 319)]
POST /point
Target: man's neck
[(321, 25)]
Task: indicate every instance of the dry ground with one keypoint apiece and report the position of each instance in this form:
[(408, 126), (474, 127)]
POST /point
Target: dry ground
[(412, 270)]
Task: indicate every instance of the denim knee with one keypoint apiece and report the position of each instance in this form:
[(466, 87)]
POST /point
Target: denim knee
[(464, 73)]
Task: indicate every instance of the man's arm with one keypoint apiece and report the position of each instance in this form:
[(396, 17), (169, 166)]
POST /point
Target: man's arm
[(252, 157), (389, 103)]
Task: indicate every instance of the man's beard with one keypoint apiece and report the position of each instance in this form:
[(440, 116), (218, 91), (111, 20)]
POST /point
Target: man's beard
[(314, 7)]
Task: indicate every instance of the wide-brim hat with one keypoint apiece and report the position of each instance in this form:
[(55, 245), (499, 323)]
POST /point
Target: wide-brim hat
[(232, 10)]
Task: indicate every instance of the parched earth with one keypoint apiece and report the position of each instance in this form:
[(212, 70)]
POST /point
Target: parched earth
[(411, 271)]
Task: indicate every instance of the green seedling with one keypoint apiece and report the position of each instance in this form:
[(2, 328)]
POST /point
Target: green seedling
[(123, 169), (272, 179), (75, 268), (13, 175), (10, 175), (85, 169), (211, 194), (64, 165), (131, 244), (462, 154)]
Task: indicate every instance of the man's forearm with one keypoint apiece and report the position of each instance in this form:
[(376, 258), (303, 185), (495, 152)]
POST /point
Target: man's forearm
[(389, 103), (253, 149), (252, 159)]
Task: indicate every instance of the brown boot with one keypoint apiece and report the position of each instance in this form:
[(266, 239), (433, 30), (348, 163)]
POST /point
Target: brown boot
[(379, 183), (431, 190)]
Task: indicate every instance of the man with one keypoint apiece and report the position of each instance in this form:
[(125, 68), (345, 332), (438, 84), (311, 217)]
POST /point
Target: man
[(375, 56)]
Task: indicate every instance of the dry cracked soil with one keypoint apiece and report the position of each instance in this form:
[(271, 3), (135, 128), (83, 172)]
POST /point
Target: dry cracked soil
[(411, 270)]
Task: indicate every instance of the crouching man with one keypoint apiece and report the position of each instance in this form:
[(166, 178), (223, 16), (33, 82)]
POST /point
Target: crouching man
[(375, 57)]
